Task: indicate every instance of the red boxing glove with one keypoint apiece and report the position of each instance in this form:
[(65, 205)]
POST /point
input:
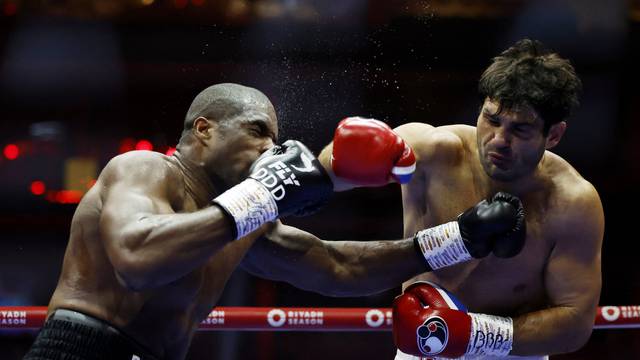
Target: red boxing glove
[(369, 152), (429, 321)]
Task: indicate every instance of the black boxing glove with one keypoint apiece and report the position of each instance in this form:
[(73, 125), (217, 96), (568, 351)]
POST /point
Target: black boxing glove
[(510, 243), (285, 180), (475, 234), (296, 179), (501, 218)]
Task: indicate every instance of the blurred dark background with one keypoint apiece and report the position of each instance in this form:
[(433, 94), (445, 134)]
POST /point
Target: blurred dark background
[(82, 81)]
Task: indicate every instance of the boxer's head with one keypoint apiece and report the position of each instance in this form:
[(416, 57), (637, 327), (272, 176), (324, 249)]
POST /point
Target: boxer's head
[(228, 126), (528, 94)]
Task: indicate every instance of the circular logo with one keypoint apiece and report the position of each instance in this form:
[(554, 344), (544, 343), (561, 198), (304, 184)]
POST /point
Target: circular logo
[(276, 317), (374, 318), (433, 336), (610, 313)]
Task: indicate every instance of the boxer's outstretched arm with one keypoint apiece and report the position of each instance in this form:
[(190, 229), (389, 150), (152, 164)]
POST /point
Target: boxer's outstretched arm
[(573, 281), (353, 268), (333, 268), (147, 242)]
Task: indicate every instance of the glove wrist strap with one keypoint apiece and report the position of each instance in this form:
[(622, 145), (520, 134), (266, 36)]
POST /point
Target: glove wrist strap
[(442, 245), (490, 335), (250, 204)]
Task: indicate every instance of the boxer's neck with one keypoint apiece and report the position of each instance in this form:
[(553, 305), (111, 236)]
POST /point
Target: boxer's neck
[(197, 182)]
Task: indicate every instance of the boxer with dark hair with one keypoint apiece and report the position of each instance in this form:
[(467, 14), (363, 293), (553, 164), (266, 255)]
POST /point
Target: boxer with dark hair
[(537, 296)]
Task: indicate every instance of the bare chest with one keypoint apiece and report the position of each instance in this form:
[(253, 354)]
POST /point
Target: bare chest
[(201, 289), (187, 301), (493, 285)]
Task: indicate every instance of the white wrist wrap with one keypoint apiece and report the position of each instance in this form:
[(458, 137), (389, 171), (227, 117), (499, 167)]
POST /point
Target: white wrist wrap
[(490, 335), (250, 204), (442, 245)]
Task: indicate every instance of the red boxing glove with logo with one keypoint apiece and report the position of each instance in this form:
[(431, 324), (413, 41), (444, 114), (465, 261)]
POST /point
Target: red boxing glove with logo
[(430, 321), (369, 153)]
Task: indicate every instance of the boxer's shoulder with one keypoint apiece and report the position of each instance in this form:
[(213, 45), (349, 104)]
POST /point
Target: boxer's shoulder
[(142, 168), (569, 187), (574, 202), (444, 144)]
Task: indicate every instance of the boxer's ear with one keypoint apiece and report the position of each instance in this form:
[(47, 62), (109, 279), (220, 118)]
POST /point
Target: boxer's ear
[(203, 127), (555, 134)]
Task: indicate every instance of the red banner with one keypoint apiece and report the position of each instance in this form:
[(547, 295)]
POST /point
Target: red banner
[(302, 318)]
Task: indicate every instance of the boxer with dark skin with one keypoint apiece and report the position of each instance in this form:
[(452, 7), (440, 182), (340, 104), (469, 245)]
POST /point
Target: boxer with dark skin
[(148, 254), (550, 289)]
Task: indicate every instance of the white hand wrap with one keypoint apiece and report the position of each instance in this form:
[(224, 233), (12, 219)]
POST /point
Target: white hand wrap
[(442, 245), (250, 204), (490, 335)]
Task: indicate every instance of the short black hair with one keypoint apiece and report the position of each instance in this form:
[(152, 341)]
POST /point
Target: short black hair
[(221, 102), (529, 74)]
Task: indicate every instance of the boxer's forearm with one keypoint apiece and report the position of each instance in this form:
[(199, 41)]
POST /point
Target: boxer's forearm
[(373, 266), (552, 331), (334, 268), (158, 249)]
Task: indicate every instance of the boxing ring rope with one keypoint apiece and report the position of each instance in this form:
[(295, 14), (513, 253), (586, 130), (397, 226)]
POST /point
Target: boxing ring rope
[(301, 318)]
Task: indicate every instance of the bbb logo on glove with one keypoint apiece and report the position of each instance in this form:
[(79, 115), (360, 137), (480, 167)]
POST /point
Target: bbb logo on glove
[(433, 336)]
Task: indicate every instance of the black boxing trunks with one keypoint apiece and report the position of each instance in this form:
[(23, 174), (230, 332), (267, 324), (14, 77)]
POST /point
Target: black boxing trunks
[(71, 335)]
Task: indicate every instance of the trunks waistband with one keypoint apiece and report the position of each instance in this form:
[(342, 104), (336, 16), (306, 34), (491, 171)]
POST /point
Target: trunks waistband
[(72, 333)]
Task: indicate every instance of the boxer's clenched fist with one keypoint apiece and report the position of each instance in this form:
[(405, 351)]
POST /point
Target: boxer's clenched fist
[(430, 321), (495, 225), (285, 180), (368, 152)]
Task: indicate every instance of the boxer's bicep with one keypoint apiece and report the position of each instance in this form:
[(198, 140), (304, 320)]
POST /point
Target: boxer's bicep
[(129, 199), (573, 273), (573, 280), (125, 208)]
